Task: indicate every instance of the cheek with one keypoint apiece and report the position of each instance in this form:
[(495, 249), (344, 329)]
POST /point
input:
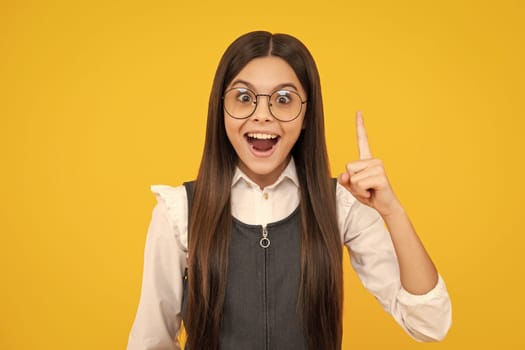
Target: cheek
[(229, 126), (232, 128), (295, 130)]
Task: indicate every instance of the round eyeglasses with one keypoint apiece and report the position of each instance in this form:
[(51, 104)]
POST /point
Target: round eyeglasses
[(284, 105)]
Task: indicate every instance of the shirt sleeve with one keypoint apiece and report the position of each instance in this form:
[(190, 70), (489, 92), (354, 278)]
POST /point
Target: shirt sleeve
[(424, 317), (158, 317)]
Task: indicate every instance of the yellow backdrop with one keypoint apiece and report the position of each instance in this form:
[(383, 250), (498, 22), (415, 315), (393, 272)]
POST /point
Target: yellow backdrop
[(100, 99)]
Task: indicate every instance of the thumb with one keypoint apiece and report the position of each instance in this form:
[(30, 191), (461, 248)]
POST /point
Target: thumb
[(344, 180)]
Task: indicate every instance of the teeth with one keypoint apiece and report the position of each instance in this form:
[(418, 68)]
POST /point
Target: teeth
[(262, 136)]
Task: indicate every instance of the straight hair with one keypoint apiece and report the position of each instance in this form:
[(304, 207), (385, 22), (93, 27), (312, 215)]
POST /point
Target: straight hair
[(320, 296)]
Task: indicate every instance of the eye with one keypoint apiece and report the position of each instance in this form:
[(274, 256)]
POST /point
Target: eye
[(244, 96), (283, 97)]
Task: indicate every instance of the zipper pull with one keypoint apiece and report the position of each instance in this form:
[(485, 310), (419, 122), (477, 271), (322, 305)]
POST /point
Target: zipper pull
[(265, 241)]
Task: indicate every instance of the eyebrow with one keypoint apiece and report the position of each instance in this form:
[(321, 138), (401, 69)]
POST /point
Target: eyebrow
[(278, 87)]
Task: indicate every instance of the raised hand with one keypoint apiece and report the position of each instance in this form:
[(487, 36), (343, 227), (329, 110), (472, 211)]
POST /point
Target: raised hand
[(366, 178)]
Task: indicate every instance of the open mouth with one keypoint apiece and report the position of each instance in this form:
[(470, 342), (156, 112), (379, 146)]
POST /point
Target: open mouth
[(262, 142)]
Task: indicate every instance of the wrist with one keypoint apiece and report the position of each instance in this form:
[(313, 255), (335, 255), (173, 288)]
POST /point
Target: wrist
[(395, 210)]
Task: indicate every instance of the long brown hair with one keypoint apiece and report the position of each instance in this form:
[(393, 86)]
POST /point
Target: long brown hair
[(320, 296)]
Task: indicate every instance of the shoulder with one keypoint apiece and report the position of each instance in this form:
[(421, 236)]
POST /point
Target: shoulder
[(172, 205), (169, 194)]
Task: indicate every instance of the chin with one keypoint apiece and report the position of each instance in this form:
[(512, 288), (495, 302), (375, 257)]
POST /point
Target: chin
[(262, 169)]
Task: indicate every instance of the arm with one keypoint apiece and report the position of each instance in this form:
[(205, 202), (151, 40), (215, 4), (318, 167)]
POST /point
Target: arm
[(407, 262), (158, 316), (417, 271), (366, 180)]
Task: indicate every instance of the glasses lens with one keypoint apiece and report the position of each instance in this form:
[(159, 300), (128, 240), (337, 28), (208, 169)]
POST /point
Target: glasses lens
[(239, 102), (285, 105)]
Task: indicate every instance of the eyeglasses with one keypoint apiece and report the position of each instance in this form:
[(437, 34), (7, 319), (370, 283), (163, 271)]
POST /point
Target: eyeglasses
[(284, 105)]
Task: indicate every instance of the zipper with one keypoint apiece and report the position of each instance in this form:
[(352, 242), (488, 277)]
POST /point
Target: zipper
[(265, 243)]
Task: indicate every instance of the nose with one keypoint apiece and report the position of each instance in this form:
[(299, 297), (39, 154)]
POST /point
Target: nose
[(262, 109)]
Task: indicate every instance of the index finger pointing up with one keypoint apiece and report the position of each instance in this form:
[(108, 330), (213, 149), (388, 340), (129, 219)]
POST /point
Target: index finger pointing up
[(362, 138)]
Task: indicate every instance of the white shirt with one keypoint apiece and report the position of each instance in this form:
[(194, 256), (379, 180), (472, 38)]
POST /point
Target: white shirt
[(425, 317)]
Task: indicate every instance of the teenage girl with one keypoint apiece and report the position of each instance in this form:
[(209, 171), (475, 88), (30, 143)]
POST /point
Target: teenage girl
[(249, 255)]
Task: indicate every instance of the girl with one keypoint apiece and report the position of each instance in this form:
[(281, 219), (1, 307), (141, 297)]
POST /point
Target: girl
[(260, 232)]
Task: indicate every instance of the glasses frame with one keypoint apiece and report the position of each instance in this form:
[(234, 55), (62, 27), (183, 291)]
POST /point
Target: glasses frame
[(269, 103)]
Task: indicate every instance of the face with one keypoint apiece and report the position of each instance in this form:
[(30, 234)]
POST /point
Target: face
[(263, 143)]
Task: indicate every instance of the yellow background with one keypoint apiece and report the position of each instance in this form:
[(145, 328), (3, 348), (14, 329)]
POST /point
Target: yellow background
[(100, 99)]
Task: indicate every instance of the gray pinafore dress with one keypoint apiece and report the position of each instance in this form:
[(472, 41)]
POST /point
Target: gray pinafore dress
[(260, 307)]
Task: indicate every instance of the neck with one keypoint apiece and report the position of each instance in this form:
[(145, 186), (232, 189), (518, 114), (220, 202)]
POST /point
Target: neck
[(266, 179)]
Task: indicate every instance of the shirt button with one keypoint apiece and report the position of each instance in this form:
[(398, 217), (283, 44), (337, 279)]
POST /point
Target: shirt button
[(265, 195)]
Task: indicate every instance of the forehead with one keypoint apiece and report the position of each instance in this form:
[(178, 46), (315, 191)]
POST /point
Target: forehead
[(267, 73)]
